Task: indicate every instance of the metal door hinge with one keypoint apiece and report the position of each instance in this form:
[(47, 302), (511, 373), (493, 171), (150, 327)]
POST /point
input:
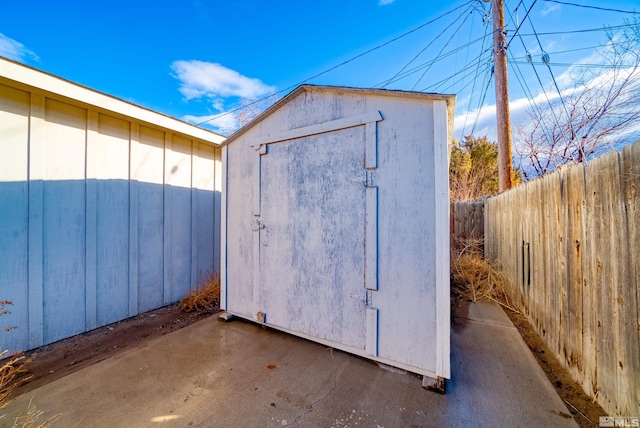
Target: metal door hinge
[(366, 178), (369, 182)]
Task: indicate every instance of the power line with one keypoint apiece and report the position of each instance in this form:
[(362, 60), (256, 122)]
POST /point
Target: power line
[(425, 66), (423, 49), (474, 70), (475, 78), (544, 92), (560, 52), (428, 63), (566, 64), (523, 19), (525, 87), (474, 64), (593, 7), (573, 134), (466, 58), (588, 30), (475, 122), (473, 90), (338, 65), (488, 77), (511, 16), (535, 34), (529, 94), (461, 79), (535, 109), (439, 53)]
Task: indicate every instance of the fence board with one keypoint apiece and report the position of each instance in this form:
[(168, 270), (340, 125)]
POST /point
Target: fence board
[(597, 181), (629, 387), (531, 238), (574, 207), (466, 223), (618, 282), (568, 244), (590, 298)]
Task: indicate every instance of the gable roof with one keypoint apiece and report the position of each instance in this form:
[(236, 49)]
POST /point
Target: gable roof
[(450, 99), (33, 78)]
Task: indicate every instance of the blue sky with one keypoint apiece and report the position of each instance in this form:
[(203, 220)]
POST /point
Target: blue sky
[(196, 59)]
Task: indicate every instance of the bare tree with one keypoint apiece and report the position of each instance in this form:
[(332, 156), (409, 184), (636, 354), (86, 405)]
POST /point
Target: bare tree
[(252, 108), (597, 111)]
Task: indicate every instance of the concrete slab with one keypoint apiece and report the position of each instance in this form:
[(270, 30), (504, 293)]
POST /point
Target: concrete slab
[(238, 374)]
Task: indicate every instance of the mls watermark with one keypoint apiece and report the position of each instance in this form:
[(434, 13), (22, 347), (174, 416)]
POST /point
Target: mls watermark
[(619, 421)]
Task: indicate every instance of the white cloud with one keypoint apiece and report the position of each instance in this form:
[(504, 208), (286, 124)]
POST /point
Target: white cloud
[(385, 2), (549, 9), (206, 79), (485, 125), (573, 83), (15, 50), (568, 82), (223, 123), (218, 104)]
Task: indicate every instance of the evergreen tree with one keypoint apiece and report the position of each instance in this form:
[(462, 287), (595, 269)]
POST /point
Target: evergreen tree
[(473, 169)]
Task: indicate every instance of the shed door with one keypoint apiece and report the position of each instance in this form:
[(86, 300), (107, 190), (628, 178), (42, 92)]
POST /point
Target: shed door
[(312, 238)]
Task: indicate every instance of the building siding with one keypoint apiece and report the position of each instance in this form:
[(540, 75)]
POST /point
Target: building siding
[(102, 215)]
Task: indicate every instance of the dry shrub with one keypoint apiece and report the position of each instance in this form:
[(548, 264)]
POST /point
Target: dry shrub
[(476, 278), (205, 297), (11, 366), (31, 419)]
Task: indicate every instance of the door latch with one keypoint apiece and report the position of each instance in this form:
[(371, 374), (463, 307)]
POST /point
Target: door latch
[(257, 224)]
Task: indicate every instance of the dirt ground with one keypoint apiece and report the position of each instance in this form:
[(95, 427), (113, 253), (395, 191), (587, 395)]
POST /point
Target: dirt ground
[(54, 361), (59, 359), (585, 411)]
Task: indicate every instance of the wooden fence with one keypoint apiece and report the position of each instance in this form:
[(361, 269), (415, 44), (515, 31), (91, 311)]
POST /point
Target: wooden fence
[(466, 223), (569, 245)]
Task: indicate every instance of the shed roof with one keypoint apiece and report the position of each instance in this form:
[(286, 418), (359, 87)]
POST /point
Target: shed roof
[(34, 78), (449, 98)]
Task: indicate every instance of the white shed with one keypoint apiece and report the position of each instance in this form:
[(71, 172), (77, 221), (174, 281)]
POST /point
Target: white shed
[(336, 223), (107, 209)]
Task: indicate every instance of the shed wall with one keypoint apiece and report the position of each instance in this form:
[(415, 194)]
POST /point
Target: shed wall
[(102, 216), (410, 306)]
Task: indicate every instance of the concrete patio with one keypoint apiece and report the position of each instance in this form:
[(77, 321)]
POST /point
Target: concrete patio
[(238, 374)]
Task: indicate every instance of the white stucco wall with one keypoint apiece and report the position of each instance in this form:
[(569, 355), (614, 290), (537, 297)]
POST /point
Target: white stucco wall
[(107, 209)]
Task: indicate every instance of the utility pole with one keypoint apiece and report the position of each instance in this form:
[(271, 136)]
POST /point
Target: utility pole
[(505, 157)]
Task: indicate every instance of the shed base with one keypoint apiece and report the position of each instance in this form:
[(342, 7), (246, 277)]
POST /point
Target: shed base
[(438, 384), (429, 377), (225, 316)]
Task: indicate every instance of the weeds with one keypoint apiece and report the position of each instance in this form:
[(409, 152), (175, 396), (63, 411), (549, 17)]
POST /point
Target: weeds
[(205, 297), (11, 366), (476, 278), (31, 419)]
